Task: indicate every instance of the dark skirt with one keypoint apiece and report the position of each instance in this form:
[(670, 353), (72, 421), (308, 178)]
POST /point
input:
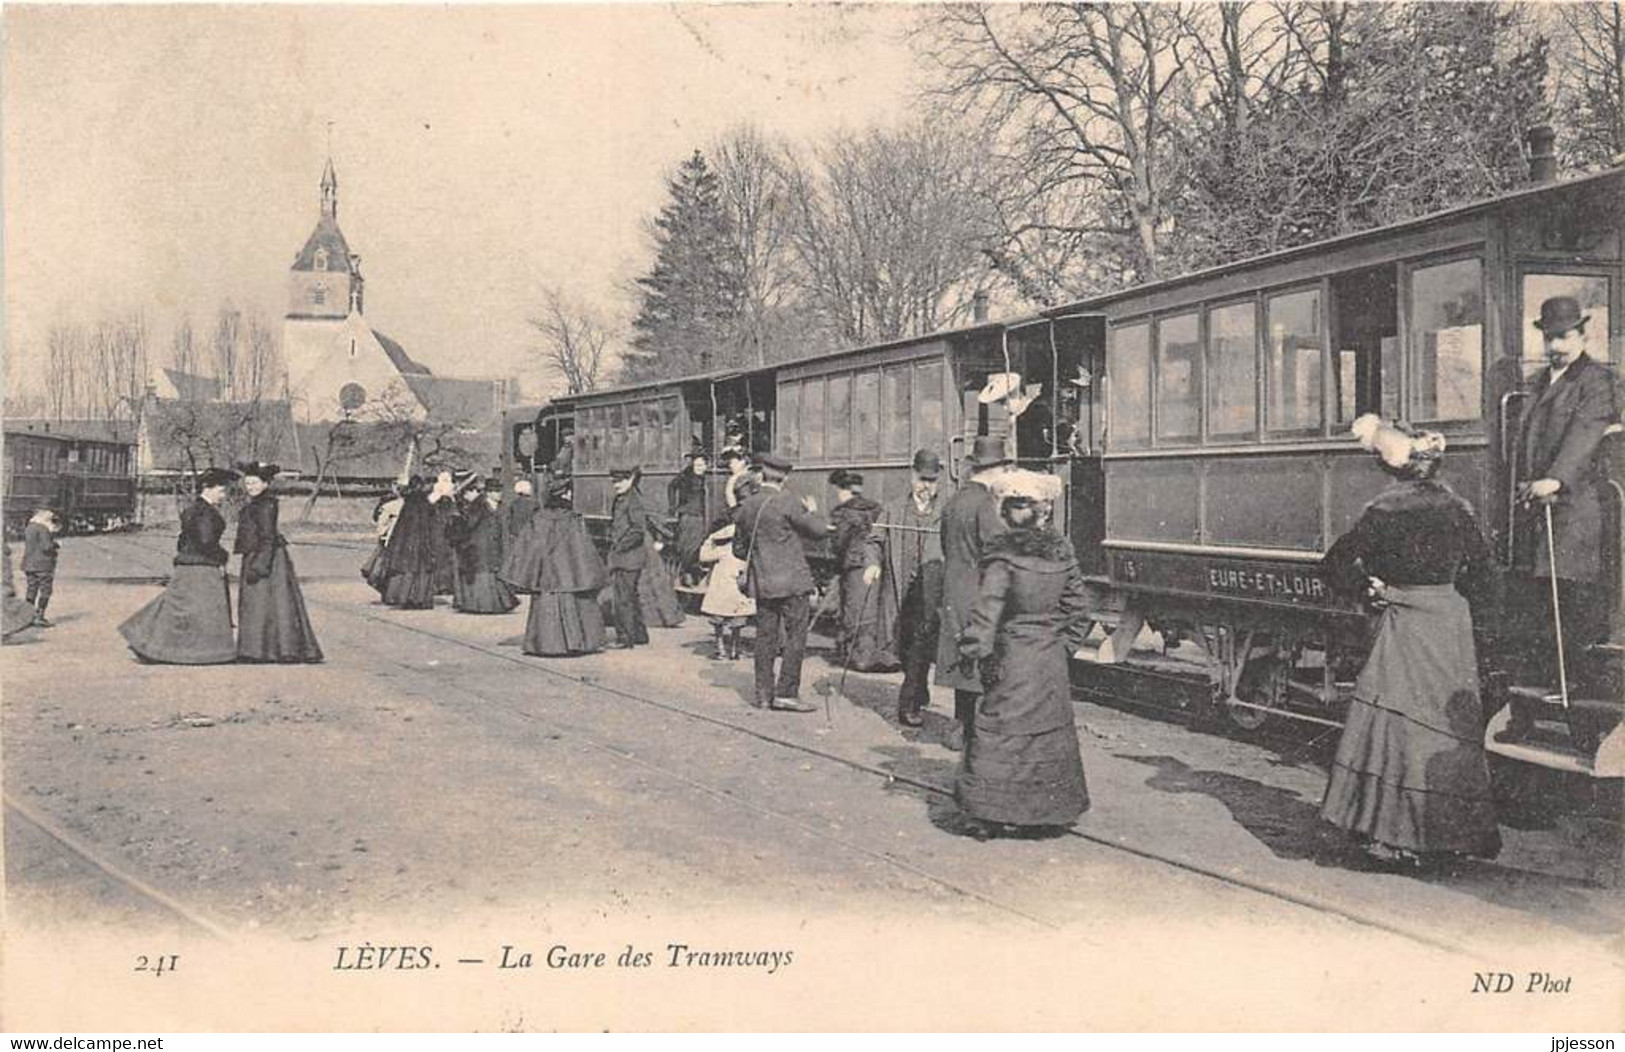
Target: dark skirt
[(564, 623), (657, 595), (691, 533), (865, 636), (188, 623), (1410, 770), (483, 593), (370, 569), (271, 621), (408, 591), (1022, 779)]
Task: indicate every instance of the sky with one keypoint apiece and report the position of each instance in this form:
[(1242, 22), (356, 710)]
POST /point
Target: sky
[(167, 159)]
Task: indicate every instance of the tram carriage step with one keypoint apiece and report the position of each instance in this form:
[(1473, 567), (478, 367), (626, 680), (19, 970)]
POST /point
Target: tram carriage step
[(1584, 736)]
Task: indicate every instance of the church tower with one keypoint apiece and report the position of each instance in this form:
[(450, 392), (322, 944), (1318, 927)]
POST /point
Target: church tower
[(325, 281)]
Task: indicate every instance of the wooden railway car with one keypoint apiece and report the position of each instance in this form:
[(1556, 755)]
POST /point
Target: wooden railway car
[(1228, 469), (86, 474)]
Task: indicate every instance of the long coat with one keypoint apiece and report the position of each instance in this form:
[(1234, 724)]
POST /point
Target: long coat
[(517, 512), (1563, 433), (39, 549), (553, 558), (629, 527), (476, 534), (189, 622), (771, 525), (272, 624), (969, 522), (1022, 763), (906, 541), (866, 629), (685, 499)]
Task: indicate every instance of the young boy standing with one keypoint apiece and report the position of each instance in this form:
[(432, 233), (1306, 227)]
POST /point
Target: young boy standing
[(39, 561)]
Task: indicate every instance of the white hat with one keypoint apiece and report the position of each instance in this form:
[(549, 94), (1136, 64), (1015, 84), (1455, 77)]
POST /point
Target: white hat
[(1028, 395), (1021, 484), (1396, 447), (999, 387)]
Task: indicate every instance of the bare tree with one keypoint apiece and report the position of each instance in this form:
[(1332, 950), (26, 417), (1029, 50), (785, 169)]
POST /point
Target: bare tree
[(888, 231), (750, 173), (184, 354), (573, 341), (65, 371), (1591, 82), (224, 348), (1080, 100)]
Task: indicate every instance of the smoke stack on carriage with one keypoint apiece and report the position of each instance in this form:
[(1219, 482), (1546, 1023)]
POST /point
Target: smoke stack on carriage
[(1542, 156)]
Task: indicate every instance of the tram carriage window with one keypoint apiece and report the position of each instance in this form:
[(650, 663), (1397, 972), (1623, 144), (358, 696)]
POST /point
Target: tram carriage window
[(895, 395), (671, 417), (1232, 370), (1592, 292), (1447, 334), (634, 434), (1365, 344), (929, 425), (789, 422), (866, 414), (1179, 378), (615, 447), (1294, 361), (839, 440), (812, 419), (1128, 371)]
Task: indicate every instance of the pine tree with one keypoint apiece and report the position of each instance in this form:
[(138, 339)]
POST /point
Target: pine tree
[(691, 296)]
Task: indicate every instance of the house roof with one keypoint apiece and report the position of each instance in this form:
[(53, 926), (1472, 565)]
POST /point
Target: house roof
[(215, 433), (194, 386), (475, 403), (326, 235), (403, 362), (121, 431)]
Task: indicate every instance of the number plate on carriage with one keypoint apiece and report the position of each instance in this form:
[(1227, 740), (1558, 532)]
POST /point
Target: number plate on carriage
[(1269, 580)]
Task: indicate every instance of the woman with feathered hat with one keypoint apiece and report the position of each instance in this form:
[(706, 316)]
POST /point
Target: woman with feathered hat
[(552, 557), (272, 625), (1410, 779), (477, 537), (189, 622), (1021, 771)]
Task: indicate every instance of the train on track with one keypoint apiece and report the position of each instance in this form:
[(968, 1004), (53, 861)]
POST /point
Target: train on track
[(87, 474), (1200, 425)]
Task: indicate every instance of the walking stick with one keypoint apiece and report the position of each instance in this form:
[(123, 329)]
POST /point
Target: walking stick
[(1557, 611)]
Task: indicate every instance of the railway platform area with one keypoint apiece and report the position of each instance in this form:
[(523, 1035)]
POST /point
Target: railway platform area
[(429, 776)]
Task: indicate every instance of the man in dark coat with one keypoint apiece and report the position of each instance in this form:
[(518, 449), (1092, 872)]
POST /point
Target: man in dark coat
[(969, 521), (907, 564), (629, 527), (1573, 406), (39, 561), (769, 528), (865, 641)]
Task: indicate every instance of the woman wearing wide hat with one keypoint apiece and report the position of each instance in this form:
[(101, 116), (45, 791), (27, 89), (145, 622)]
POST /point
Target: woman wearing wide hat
[(189, 622), (1410, 779), (476, 535), (272, 625), (1021, 769), (553, 558)]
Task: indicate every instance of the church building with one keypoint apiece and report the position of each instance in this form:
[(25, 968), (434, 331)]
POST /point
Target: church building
[(339, 366)]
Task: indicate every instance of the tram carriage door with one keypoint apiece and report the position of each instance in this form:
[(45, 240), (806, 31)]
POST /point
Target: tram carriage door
[(1080, 356)]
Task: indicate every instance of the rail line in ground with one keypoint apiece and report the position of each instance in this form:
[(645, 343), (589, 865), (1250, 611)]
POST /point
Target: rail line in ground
[(1291, 897)]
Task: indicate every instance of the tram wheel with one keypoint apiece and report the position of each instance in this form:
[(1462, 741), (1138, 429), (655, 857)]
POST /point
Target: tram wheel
[(1263, 685)]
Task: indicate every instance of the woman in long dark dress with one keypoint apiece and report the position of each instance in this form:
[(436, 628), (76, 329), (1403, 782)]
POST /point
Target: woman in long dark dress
[(189, 623), (864, 643), (477, 535), (404, 575), (1410, 779), (685, 498), (553, 559), (1021, 769), (442, 501), (272, 625)]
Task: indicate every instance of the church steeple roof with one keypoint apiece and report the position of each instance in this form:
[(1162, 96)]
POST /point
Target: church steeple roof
[(326, 244)]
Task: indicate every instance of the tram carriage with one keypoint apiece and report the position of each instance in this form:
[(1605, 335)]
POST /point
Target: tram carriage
[(1201, 427), (1228, 469), (87, 477)]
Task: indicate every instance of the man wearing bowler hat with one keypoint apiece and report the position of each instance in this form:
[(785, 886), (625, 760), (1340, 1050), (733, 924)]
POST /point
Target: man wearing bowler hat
[(769, 527), (1573, 406), (969, 521), (907, 563)]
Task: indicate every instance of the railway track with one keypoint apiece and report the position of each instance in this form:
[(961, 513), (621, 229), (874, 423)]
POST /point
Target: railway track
[(1082, 839)]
